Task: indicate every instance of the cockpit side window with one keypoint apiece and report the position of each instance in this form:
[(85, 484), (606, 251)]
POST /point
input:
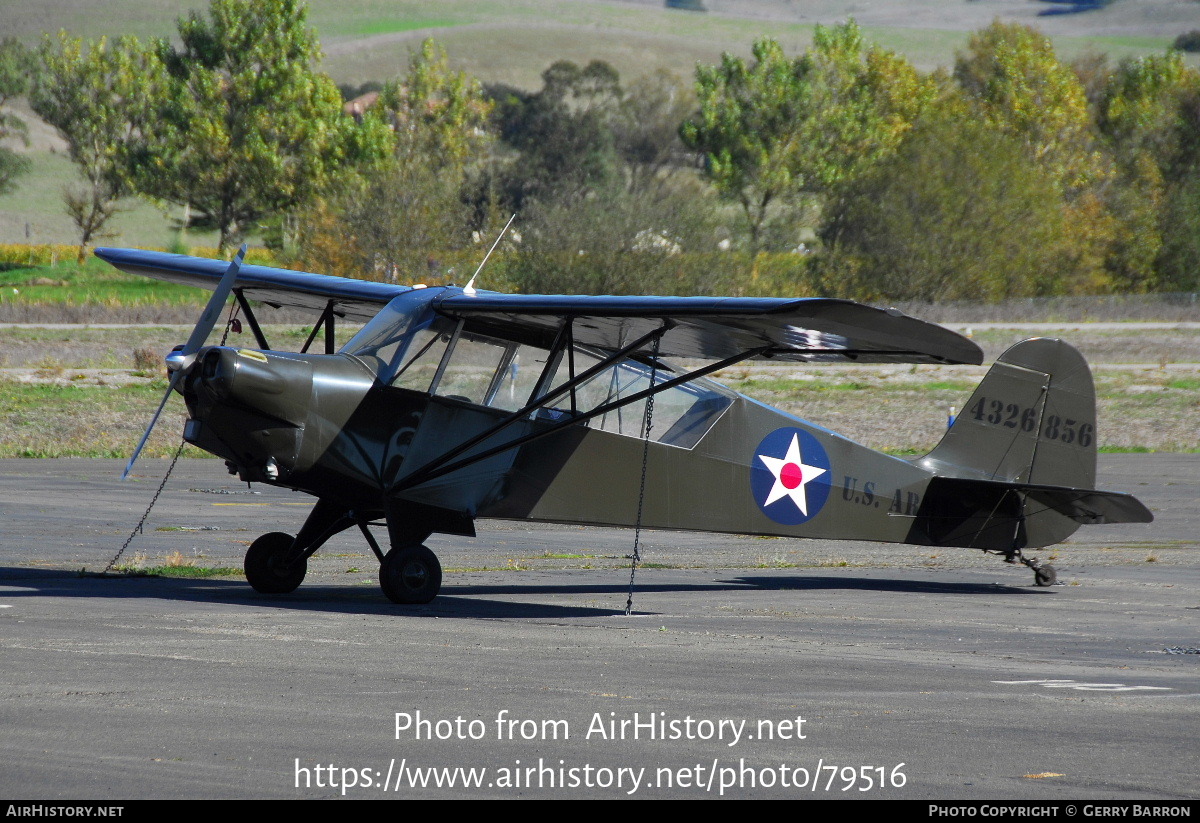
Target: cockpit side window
[(380, 343), (443, 358), (517, 377), (421, 359), (682, 414), (472, 370), (395, 336)]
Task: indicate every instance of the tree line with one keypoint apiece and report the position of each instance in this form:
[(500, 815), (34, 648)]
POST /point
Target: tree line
[(841, 171)]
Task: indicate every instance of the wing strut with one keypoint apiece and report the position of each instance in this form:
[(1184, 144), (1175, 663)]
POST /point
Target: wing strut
[(252, 320), (326, 322)]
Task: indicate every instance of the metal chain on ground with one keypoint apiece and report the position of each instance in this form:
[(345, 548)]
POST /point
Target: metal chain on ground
[(138, 528), (637, 529)]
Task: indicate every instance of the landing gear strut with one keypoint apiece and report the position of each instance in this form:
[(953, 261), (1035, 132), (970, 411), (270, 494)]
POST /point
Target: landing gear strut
[(409, 573)]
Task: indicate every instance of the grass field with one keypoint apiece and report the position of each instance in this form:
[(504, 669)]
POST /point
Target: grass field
[(513, 41), (96, 282)]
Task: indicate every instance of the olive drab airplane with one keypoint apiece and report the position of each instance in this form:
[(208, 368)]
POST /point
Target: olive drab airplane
[(452, 404)]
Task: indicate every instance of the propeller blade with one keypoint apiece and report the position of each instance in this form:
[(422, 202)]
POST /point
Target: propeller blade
[(215, 303), (146, 435), (204, 326)]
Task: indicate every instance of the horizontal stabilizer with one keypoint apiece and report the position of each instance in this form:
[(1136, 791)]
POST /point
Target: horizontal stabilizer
[(1088, 506), (1000, 515)]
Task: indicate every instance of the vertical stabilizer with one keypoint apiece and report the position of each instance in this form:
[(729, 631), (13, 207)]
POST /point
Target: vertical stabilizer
[(1031, 420)]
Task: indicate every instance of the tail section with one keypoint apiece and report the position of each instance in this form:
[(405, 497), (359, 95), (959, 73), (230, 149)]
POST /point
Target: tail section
[(1031, 420), (1018, 467)]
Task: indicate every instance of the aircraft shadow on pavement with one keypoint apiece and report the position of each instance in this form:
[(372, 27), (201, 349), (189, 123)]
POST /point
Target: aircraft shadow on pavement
[(466, 601), (784, 583)]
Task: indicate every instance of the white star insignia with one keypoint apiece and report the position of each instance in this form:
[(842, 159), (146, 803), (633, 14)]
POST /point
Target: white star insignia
[(791, 476)]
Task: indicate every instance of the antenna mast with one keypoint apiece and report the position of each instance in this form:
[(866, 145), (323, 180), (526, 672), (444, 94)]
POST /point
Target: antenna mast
[(470, 287)]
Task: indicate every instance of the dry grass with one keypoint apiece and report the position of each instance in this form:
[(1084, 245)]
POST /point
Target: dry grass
[(904, 409)]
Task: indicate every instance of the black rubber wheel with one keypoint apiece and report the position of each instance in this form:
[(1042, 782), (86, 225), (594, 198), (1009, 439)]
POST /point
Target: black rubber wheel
[(264, 565), (1045, 576), (410, 574)]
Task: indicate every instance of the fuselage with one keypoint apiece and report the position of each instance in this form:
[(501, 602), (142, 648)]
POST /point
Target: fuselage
[(375, 422)]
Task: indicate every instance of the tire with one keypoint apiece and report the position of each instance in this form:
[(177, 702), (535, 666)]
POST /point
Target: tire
[(410, 574), (264, 567), (1045, 576)]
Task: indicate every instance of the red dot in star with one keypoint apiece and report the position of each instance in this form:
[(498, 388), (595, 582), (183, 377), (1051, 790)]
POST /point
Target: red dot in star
[(791, 475)]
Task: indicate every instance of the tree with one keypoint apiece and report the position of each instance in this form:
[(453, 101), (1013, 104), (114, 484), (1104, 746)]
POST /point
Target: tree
[(1188, 41), (438, 116), (564, 135), (778, 129), (1179, 260), (406, 211), (1148, 115), (646, 132), (1017, 83), (618, 241), (14, 82), (747, 131), (958, 212), (96, 96), (246, 127)]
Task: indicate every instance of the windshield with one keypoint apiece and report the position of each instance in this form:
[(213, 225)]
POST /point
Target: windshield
[(382, 343)]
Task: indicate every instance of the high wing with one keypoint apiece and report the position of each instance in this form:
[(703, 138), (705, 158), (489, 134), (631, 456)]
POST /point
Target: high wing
[(701, 328), (712, 328), (354, 299)]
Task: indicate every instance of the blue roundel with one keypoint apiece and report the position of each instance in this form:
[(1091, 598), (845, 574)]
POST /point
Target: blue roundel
[(790, 476)]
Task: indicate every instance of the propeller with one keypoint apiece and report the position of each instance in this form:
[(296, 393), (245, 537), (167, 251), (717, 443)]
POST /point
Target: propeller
[(181, 362)]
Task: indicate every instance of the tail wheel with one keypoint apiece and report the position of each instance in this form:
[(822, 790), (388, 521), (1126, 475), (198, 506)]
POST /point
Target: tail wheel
[(1045, 576), (266, 569), (410, 574)]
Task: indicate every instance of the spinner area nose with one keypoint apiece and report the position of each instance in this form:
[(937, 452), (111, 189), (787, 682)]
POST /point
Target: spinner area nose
[(177, 361)]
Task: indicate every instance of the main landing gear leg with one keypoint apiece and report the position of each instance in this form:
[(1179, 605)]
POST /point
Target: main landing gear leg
[(410, 573)]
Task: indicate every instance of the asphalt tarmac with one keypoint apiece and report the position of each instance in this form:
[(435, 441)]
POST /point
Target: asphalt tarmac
[(749, 667)]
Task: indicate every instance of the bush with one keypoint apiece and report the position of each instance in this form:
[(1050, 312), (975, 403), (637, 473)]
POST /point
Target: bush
[(1188, 41)]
